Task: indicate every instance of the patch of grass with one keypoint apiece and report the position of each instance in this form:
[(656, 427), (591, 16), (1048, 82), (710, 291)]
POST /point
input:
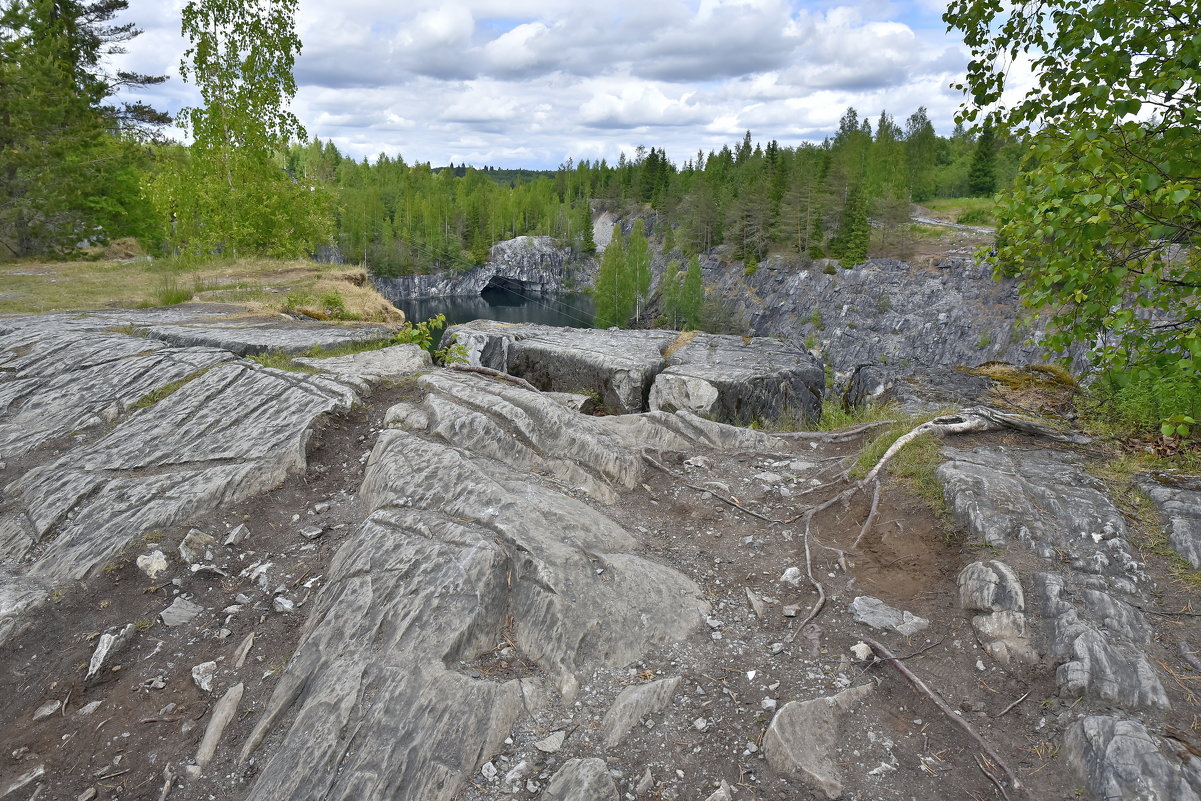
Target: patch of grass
[(280, 360), (954, 208), (260, 285), (834, 416), (1147, 531), (166, 390), (815, 320), (143, 624), (916, 465)]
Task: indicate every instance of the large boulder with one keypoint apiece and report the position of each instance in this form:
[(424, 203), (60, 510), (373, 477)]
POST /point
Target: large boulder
[(726, 378)]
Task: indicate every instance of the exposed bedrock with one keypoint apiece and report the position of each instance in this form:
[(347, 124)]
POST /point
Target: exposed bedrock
[(534, 264), (903, 315), (1178, 500), (726, 378), (146, 435), (459, 546)]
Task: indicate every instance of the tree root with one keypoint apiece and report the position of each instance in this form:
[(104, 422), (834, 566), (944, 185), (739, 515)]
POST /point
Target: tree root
[(871, 518), (488, 371), (887, 656), (833, 436)]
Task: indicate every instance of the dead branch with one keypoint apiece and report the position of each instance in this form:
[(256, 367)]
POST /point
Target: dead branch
[(833, 436), (1189, 656), (988, 775), (871, 517), (887, 656), (488, 371), (168, 780), (1009, 708)]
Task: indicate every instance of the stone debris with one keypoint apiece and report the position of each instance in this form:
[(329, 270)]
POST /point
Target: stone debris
[(551, 743), (29, 777), (581, 780), (282, 604), (1178, 500), (153, 563), (223, 713), (803, 737), (882, 617), (203, 674), (723, 793), (109, 643), (237, 535), (311, 532), (47, 709), (635, 703), (194, 547), (180, 612)]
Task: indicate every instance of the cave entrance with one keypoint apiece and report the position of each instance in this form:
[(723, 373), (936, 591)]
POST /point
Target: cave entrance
[(500, 291)]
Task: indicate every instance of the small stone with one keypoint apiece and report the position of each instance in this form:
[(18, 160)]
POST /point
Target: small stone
[(777, 647), (203, 674), (879, 615), (237, 535), (180, 612), (193, 545), (87, 795), (281, 604), (47, 709), (768, 477), (311, 532), (518, 773), (551, 743), (489, 771), (862, 651), (768, 704), (791, 611), (792, 576), (714, 623), (88, 708), (109, 643), (700, 724), (152, 563), (645, 783)]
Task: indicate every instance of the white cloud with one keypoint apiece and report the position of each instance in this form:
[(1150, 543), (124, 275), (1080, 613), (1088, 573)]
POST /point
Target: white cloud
[(532, 82)]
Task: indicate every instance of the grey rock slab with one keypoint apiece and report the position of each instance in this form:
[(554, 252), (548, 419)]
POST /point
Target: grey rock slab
[(180, 612), (373, 366), (1178, 499), (524, 429), (751, 379), (990, 586), (232, 433), (1098, 641), (581, 780), (882, 617), (250, 337), (223, 712), (551, 743), (454, 547), (633, 704), (1119, 758), (58, 383), (728, 378), (109, 643), (803, 736), (618, 366), (1045, 500)]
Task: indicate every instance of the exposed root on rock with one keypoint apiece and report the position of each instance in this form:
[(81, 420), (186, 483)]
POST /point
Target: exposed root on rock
[(488, 371)]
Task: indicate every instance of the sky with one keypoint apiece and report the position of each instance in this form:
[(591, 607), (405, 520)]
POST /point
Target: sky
[(531, 83)]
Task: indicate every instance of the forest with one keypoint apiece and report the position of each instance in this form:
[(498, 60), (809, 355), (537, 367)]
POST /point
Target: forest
[(808, 200)]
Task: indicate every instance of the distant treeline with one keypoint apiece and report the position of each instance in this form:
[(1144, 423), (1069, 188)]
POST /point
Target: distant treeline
[(810, 201)]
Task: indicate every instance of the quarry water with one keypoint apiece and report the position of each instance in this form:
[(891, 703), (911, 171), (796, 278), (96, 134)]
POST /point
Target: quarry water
[(573, 309)]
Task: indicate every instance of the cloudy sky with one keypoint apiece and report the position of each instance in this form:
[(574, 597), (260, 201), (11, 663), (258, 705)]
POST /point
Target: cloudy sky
[(528, 83)]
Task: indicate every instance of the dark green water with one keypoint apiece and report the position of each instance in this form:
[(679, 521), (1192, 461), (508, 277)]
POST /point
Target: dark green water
[(573, 309)]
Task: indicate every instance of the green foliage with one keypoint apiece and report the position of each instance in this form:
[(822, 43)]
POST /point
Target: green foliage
[(69, 161), (982, 175), (624, 278), (815, 319), (1101, 224), (229, 191), (1121, 404), (167, 390)]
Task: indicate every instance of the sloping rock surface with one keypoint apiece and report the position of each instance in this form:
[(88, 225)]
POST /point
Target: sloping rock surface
[(726, 378), (1178, 500), (150, 435)]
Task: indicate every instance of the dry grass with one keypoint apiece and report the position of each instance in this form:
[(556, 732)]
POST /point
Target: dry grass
[(258, 285)]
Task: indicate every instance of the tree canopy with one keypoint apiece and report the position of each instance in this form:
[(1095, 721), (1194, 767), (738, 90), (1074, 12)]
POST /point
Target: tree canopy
[(1102, 222)]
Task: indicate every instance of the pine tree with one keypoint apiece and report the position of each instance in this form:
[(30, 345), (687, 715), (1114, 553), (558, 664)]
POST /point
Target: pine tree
[(982, 177)]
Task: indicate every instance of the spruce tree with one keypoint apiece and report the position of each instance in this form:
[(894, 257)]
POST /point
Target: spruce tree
[(982, 177)]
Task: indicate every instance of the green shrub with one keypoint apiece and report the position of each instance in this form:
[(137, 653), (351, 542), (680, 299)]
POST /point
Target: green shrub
[(1130, 403)]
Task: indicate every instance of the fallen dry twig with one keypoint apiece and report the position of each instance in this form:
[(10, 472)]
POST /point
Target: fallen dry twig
[(885, 655)]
